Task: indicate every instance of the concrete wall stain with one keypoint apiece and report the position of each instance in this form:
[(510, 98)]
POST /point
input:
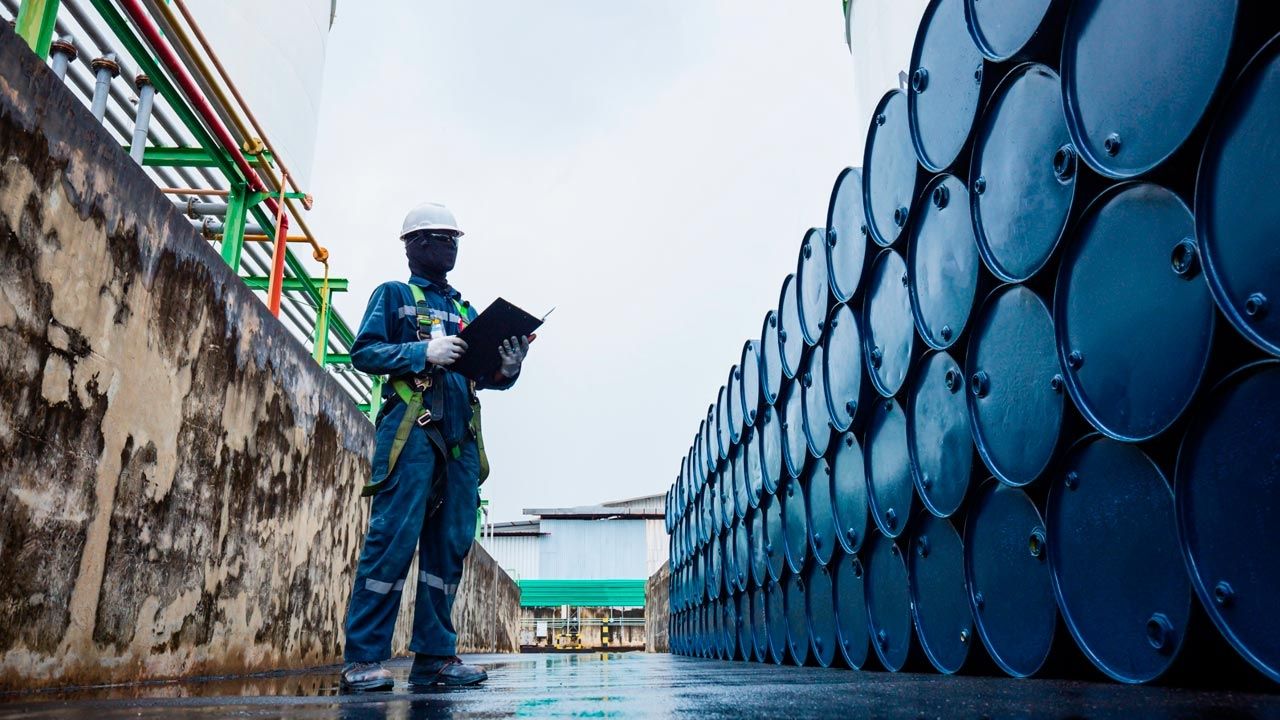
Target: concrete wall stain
[(178, 479), (657, 603)]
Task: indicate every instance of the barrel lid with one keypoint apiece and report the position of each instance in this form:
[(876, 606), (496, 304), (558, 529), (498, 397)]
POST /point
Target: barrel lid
[(822, 527), (1023, 174), (887, 325), (942, 263), (842, 367), (794, 444), (1002, 28), (795, 523), (945, 85), (820, 613), (888, 169), (775, 538), (797, 592), (1015, 388), (1128, 62), (817, 420), (846, 235), (790, 334), (759, 561), (771, 448), (751, 462), (776, 610), (1130, 303), (741, 554), (724, 442), (709, 449), (811, 284), (888, 467), (715, 569), (850, 601), (728, 628), (749, 389), (939, 603), (1236, 212), (759, 624), (730, 558), (733, 405), (888, 602), (742, 622), (939, 439), (1111, 526), (1227, 486), (741, 481), (728, 494), (849, 492), (1009, 587), (770, 359)]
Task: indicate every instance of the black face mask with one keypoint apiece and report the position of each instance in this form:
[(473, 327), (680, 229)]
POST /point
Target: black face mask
[(431, 256)]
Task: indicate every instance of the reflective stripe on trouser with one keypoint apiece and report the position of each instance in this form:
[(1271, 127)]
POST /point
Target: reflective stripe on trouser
[(398, 524)]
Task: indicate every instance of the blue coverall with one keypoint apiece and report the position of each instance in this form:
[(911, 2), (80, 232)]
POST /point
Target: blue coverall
[(388, 344)]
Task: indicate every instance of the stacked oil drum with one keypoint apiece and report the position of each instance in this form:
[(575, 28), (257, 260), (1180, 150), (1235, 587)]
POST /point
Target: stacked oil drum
[(1019, 403)]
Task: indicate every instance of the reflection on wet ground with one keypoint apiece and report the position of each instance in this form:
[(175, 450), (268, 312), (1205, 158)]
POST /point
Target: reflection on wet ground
[(642, 685)]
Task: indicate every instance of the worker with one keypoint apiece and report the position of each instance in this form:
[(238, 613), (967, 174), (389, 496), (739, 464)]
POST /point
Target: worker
[(428, 461)]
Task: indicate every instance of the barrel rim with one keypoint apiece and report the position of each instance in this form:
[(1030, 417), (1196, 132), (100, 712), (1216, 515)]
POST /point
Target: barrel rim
[(913, 123), (984, 46), (917, 375), (874, 232), (917, 313), (921, 517), (841, 294)]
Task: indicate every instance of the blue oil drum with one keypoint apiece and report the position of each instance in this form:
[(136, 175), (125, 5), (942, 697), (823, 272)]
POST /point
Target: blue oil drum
[(1007, 576), (724, 443), (846, 235), (790, 333), (1015, 387), (820, 615), (776, 611), (797, 592), (707, 512), (770, 359), (752, 459), (759, 561), (1022, 176), (1113, 554), (728, 490), (813, 400), (887, 325), (795, 528), (939, 601), (1004, 29), (733, 405), (775, 538), (888, 463), (741, 481), (945, 85), (889, 169), (714, 564), (759, 624), (742, 625), (1139, 75), (811, 285), (741, 554), (709, 440), (849, 492), (771, 448), (888, 602), (795, 446), (749, 386), (942, 262), (850, 606), (728, 568), (1227, 493), (822, 525), (1236, 212), (1129, 290), (939, 437), (843, 375)]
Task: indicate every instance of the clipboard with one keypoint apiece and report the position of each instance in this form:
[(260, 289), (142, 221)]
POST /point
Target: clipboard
[(484, 335)]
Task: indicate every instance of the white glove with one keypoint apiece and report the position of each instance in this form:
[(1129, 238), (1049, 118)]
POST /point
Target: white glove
[(512, 352), (443, 351)]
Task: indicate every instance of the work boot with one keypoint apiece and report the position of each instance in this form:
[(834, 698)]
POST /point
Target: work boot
[(366, 676), (449, 671)]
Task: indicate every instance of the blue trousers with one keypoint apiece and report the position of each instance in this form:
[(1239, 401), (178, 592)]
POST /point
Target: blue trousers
[(398, 524)]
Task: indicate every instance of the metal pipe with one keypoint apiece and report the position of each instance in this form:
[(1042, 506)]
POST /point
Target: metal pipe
[(63, 52), (105, 69), (194, 191), (146, 95)]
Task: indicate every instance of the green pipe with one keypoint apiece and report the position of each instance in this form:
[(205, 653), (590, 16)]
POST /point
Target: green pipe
[(35, 23)]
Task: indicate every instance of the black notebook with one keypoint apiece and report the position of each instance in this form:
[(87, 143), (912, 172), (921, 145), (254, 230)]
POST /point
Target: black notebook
[(484, 335)]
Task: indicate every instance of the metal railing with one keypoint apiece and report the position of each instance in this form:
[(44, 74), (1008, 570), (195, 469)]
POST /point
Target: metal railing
[(154, 81)]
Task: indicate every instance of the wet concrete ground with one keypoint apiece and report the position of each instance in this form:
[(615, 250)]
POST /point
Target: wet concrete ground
[(642, 685)]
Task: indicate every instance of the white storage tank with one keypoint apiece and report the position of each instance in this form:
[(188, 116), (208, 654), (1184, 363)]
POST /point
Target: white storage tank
[(880, 34)]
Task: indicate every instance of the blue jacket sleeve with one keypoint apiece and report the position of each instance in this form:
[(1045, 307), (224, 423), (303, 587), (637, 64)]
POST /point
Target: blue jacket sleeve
[(375, 350)]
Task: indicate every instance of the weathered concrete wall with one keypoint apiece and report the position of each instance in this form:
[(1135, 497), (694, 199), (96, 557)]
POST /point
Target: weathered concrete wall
[(657, 603), (486, 612), (178, 479)]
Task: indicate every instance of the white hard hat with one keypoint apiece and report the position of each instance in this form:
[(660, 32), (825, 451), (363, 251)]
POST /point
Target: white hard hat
[(429, 216)]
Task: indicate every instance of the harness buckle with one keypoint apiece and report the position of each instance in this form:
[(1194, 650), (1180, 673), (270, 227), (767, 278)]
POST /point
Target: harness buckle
[(425, 418)]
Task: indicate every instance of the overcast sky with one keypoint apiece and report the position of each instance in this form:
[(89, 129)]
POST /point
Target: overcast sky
[(649, 168)]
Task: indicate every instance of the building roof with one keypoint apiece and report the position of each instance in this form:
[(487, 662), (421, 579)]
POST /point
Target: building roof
[(518, 528), (648, 507)]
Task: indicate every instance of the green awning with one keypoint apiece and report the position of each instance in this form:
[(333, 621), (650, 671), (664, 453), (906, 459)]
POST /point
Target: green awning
[(582, 593)]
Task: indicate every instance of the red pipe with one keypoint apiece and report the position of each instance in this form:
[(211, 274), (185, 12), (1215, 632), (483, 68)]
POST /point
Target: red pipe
[(201, 105)]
